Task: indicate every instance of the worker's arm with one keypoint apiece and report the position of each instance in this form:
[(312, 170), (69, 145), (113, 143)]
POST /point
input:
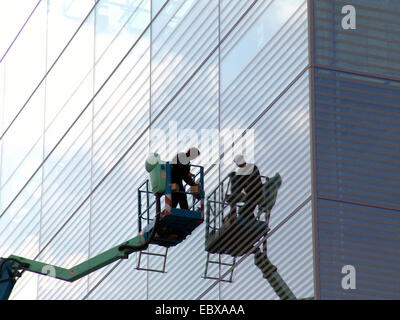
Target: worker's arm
[(188, 177)]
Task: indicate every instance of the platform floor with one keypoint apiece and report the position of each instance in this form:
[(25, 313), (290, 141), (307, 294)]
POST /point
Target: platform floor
[(175, 227), (237, 237)]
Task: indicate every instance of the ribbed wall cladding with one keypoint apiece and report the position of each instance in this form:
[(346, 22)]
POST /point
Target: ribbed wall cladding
[(357, 149), (374, 46)]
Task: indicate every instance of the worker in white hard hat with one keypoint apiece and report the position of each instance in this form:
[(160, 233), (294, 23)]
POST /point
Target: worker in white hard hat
[(247, 187)]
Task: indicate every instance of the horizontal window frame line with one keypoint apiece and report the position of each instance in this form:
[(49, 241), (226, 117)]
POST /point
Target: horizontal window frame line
[(355, 72), (361, 217), (354, 123), (363, 180), (334, 33), (349, 139), (355, 63), (358, 203), (357, 53), (365, 7), (389, 271), (366, 165), (364, 26), (333, 167), (358, 246), (338, 13), (353, 90), (330, 188), (354, 149), (360, 231), (332, 218), (352, 107), (360, 135), (367, 46), (348, 170)]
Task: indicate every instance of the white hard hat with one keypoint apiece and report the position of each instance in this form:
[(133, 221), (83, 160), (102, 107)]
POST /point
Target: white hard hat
[(239, 160), (193, 153)]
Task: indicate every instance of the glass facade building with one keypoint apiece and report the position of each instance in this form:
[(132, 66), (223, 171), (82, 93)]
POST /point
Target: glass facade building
[(356, 121), (89, 88)]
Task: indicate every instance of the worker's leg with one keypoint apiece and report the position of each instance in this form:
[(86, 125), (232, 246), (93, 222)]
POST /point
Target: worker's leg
[(251, 201), (232, 210), (230, 217), (183, 203), (247, 210), (179, 198), (168, 233), (235, 197), (174, 199), (232, 201)]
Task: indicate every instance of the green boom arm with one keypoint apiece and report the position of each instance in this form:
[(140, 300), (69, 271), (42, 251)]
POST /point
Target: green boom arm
[(121, 251)]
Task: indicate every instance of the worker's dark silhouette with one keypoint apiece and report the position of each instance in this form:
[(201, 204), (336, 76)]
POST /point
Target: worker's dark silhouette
[(247, 187), (180, 171)]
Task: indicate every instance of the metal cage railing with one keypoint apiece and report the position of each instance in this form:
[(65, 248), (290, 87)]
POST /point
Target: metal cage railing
[(147, 200), (217, 203)]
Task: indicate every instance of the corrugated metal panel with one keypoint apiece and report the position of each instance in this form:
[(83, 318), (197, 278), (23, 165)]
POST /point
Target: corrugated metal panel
[(364, 237), (357, 117), (357, 147), (374, 46)]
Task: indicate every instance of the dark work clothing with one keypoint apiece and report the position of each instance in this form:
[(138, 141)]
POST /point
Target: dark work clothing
[(250, 204), (180, 173), (252, 183), (252, 186), (181, 199)]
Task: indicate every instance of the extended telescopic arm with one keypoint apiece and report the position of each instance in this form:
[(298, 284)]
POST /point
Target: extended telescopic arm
[(10, 266)]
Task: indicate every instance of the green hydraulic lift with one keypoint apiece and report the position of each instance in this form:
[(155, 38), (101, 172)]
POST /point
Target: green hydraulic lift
[(13, 266), (178, 222)]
